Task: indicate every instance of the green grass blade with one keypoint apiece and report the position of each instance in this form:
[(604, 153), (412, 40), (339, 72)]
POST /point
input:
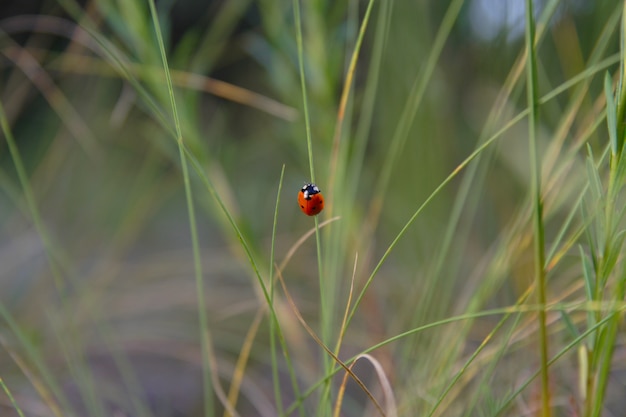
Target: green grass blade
[(55, 260), (535, 167), (414, 100), (621, 86), (253, 264), (611, 113), (50, 393), (594, 177), (468, 362), (272, 322), (325, 308), (204, 332), (556, 357), (11, 398), (588, 275), (305, 101), (345, 94), (569, 324), (439, 188)]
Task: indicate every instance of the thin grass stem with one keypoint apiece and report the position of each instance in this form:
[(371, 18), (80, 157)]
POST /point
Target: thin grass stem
[(202, 315), (11, 398), (325, 309), (272, 321), (538, 227)]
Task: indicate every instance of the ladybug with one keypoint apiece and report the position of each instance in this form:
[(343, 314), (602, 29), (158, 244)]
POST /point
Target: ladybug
[(310, 199)]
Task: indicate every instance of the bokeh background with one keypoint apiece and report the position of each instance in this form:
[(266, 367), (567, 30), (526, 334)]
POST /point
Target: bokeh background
[(98, 295)]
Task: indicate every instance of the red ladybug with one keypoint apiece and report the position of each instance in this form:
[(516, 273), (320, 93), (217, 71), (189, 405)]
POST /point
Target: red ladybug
[(310, 200)]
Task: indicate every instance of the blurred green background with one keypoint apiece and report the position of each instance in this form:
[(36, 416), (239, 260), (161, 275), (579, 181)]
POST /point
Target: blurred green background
[(99, 301)]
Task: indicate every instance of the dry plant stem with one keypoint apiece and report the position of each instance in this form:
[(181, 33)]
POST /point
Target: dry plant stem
[(242, 360), (311, 333), (505, 404), (405, 122), (535, 166), (40, 386), (300, 241), (55, 97), (526, 308), (384, 382), (348, 304), (216, 385), (344, 99), (75, 62)]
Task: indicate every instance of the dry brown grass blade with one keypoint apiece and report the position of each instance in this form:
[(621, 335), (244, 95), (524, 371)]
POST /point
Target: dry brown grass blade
[(244, 355), (344, 322), (300, 241), (83, 64), (392, 409), (311, 333), (53, 95), (254, 327), (345, 94), (215, 380), (46, 396), (234, 93)]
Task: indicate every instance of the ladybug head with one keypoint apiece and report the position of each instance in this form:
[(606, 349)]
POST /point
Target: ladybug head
[(309, 189)]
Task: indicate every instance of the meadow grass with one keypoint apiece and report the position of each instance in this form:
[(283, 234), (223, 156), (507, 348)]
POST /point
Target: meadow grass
[(468, 261)]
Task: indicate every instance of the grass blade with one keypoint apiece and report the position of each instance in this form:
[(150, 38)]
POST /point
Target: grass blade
[(535, 167), (611, 112)]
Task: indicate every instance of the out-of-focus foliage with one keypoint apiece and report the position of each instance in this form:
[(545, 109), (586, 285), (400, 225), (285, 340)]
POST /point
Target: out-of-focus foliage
[(97, 291)]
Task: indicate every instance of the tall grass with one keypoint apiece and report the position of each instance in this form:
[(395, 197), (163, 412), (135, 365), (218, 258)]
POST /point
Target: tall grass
[(153, 261), (537, 203)]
